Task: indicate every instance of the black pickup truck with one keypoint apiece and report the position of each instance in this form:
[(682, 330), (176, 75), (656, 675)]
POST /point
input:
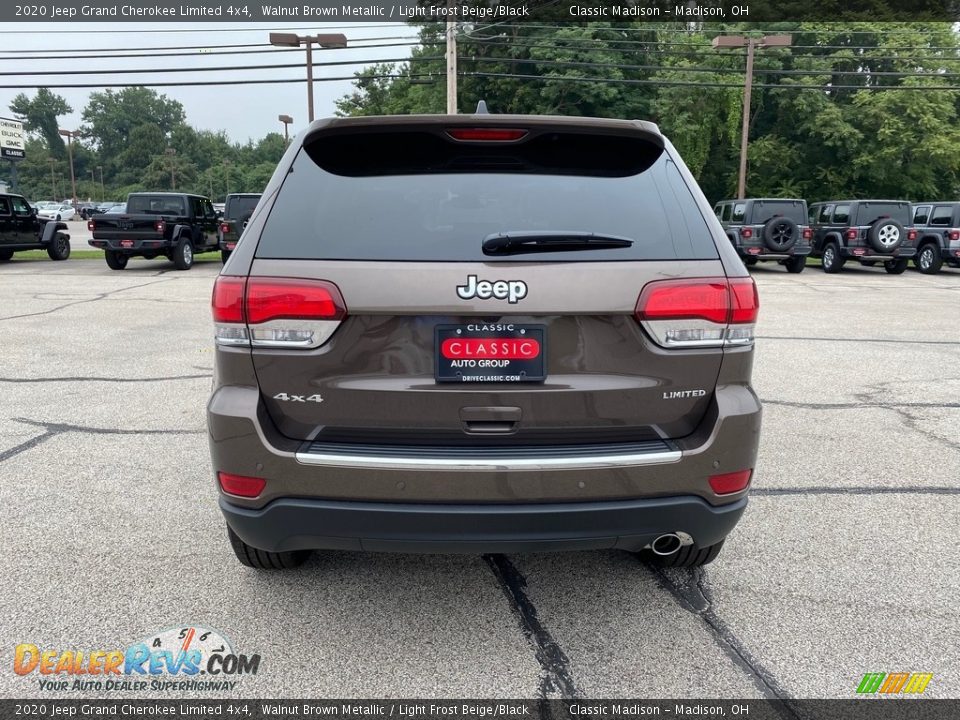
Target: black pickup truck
[(237, 211), (22, 229), (176, 226)]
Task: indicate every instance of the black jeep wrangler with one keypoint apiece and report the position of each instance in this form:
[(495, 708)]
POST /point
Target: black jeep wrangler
[(21, 229), (767, 229), (869, 231), (174, 225), (237, 211), (938, 233)]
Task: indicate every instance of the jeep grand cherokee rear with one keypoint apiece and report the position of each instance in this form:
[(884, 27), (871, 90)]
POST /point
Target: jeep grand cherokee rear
[(483, 334)]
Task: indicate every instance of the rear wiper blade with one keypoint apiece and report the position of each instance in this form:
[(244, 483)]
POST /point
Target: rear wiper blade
[(531, 241)]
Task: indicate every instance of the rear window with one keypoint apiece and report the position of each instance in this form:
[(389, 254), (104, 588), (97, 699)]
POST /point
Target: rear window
[(795, 210), (241, 208), (867, 212), (426, 199), (155, 205)]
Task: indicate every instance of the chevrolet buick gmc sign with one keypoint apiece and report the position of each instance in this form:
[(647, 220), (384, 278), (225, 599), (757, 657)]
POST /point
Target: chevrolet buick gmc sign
[(12, 139)]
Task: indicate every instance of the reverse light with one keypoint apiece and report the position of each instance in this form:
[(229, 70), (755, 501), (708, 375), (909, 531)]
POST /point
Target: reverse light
[(487, 134), (241, 485), (727, 483), (699, 312), (276, 312)]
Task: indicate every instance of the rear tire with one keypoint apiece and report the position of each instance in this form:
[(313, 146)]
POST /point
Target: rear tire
[(686, 557), (795, 264), (895, 267), (116, 261), (183, 254), (59, 248), (832, 260), (263, 560), (928, 259), (5, 255)]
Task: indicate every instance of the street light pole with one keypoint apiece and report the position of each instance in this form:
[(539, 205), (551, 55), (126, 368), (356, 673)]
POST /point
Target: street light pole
[(328, 40), (226, 172), (286, 120), (53, 180), (451, 63), (69, 135), (170, 152), (736, 41)]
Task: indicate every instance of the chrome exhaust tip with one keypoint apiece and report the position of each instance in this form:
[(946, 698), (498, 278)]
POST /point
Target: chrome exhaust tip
[(666, 544)]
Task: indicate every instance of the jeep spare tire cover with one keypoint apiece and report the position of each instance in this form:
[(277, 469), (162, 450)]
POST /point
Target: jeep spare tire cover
[(885, 235), (780, 234)]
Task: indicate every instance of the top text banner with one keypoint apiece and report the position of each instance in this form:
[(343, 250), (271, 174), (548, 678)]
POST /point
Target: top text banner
[(481, 11)]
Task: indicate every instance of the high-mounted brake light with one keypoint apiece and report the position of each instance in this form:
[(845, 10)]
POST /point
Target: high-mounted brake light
[(276, 312), (699, 312), (241, 485), (487, 134)]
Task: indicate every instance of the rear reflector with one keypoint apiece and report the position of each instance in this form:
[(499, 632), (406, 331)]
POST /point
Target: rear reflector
[(241, 485), (730, 482), (487, 134), (699, 312), (276, 312)]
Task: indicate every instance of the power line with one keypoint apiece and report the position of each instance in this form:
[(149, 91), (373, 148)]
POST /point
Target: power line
[(197, 83)]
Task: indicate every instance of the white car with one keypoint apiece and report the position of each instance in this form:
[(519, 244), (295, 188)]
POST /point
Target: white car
[(57, 211)]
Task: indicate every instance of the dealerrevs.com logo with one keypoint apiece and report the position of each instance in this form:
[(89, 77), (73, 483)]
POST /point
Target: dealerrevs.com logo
[(182, 659)]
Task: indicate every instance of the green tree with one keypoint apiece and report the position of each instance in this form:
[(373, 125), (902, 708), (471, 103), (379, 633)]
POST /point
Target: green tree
[(111, 117), (40, 117)]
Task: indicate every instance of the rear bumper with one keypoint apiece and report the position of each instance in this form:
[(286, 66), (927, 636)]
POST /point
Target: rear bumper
[(765, 254), (139, 245), (870, 254), (303, 524)]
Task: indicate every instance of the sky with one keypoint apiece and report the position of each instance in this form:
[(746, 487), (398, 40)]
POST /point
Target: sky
[(244, 111)]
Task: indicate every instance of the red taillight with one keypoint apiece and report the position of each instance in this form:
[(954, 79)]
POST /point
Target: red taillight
[(807, 233), (224, 227), (487, 134), (227, 300), (911, 235), (289, 298), (727, 483), (91, 225), (852, 234), (747, 233), (955, 234), (160, 226), (699, 312), (276, 312), (241, 485)]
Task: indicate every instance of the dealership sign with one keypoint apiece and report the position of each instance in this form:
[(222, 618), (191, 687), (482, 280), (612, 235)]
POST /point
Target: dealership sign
[(12, 139)]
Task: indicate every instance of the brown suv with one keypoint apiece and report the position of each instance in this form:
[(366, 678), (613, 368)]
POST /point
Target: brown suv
[(483, 333)]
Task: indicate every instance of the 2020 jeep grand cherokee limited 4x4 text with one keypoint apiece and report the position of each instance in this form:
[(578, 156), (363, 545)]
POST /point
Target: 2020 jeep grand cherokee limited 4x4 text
[(483, 334), (869, 231), (767, 229)]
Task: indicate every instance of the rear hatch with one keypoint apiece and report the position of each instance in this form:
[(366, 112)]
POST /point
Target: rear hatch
[(478, 284)]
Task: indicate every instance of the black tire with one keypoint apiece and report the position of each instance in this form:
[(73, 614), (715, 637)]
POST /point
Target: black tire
[(886, 235), (780, 234), (115, 260), (183, 254), (895, 267), (748, 261), (686, 557), (225, 255), (5, 255), (795, 264), (832, 260), (59, 249), (263, 560), (928, 260)]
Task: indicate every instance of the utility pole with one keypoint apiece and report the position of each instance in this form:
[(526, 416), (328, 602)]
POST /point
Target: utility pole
[(103, 193), (70, 135), (737, 41), (226, 172), (451, 59), (53, 180), (170, 152)]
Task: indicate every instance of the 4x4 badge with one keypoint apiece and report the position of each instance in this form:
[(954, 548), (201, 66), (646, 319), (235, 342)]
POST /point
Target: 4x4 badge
[(509, 290)]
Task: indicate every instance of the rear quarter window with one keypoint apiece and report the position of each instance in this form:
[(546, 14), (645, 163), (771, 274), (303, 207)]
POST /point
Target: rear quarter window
[(428, 207)]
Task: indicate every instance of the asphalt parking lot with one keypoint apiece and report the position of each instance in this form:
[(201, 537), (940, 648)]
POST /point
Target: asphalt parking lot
[(845, 563)]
